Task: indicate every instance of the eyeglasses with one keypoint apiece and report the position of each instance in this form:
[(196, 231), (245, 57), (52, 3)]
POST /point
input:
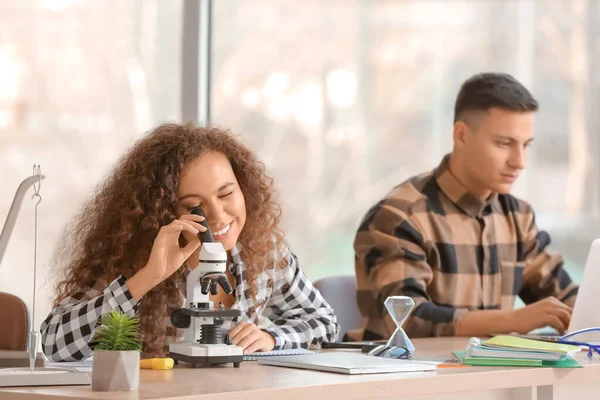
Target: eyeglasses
[(385, 351), (592, 347)]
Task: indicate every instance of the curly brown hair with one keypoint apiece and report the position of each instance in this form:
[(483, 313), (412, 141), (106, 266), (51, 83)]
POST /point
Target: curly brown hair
[(114, 232)]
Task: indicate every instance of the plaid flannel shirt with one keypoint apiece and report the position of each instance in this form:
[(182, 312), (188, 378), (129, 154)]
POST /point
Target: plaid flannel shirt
[(295, 313), (451, 253)]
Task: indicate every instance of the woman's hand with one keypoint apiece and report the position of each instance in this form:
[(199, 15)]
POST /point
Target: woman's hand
[(166, 256), (251, 338)]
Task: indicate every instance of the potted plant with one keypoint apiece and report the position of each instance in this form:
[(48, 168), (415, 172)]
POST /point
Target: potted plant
[(116, 360)]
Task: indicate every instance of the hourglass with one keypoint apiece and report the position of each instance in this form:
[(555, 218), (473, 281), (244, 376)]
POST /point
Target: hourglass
[(398, 345)]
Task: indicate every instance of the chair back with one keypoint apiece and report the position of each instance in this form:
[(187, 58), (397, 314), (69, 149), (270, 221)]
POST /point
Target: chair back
[(340, 293), (14, 323)]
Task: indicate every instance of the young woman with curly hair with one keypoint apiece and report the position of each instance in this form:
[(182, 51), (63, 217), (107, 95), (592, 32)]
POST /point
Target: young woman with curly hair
[(133, 243)]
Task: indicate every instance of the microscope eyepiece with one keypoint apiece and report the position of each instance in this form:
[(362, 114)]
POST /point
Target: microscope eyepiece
[(206, 236)]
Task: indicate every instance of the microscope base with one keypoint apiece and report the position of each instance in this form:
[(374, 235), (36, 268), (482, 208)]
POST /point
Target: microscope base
[(196, 362), (198, 354)]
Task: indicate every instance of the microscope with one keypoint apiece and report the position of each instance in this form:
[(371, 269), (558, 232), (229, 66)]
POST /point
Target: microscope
[(204, 343)]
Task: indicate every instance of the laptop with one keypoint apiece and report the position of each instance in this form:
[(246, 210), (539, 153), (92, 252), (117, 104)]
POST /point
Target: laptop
[(583, 315), (348, 363)]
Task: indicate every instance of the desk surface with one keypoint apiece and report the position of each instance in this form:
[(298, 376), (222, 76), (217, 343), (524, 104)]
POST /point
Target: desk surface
[(264, 382)]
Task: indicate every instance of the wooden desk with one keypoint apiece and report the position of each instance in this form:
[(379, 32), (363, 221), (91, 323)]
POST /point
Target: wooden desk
[(253, 381)]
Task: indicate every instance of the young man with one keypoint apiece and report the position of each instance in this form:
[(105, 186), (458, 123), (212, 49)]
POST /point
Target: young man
[(456, 241)]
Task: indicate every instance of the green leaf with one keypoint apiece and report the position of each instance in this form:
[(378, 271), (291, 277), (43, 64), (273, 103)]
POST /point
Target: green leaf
[(117, 332)]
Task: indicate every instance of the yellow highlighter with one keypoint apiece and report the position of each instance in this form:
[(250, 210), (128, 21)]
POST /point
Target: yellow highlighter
[(156, 363)]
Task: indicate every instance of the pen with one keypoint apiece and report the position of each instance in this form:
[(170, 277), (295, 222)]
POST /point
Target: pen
[(451, 365), (442, 362), (156, 363)]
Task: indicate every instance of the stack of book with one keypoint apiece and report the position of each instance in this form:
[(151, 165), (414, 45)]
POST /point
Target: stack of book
[(512, 351)]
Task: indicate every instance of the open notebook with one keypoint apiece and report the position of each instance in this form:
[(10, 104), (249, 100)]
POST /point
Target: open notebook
[(275, 353)]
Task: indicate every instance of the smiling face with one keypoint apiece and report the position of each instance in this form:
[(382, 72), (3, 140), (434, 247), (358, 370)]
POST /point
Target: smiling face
[(491, 151), (209, 182)]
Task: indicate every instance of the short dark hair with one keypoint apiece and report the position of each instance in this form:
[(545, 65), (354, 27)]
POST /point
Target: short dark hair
[(490, 89)]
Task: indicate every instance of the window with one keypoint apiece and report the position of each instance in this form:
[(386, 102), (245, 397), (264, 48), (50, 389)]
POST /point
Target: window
[(79, 81), (346, 99)]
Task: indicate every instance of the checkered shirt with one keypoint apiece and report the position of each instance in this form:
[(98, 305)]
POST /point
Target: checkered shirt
[(287, 306), (451, 253)]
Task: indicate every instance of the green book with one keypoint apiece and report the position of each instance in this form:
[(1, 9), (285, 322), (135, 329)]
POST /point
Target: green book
[(517, 343), (567, 362)]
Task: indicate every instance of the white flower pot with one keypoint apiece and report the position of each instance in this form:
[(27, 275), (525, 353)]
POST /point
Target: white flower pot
[(115, 371)]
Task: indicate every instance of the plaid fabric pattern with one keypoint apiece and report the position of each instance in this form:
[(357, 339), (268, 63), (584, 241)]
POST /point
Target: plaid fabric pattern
[(452, 253), (287, 306)]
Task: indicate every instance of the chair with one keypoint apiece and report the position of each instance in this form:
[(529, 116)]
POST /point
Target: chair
[(340, 293), (14, 323)]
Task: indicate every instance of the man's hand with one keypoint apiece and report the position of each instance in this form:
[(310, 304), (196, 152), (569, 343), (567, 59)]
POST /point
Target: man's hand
[(251, 338), (546, 312)]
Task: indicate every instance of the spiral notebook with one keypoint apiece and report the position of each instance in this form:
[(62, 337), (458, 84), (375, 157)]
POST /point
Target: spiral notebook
[(274, 353)]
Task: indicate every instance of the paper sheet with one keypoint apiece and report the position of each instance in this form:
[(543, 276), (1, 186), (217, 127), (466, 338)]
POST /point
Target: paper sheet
[(8, 371), (83, 365), (11, 377)]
